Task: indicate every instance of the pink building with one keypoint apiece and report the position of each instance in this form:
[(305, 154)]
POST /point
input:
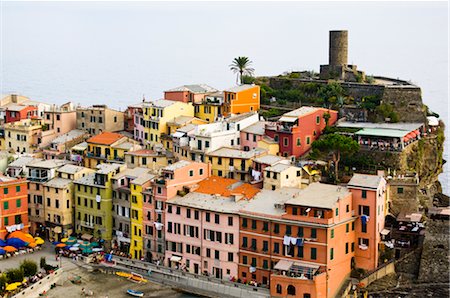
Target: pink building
[(202, 227), (251, 135), (58, 121), (369, 203), (174, 178), (139, 126), (189, 93)]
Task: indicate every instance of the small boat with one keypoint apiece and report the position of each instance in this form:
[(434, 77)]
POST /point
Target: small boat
[(124, 274), (135, 293)]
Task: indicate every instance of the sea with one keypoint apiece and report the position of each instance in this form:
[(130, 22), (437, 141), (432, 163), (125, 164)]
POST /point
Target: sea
[(119, 53)]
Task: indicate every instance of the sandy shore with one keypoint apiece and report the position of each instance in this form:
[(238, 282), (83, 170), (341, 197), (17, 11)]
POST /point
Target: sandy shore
[(104, 285)]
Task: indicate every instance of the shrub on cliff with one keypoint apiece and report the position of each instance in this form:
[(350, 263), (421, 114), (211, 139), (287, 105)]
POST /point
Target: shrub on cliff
[(29, 267), (14, 275)]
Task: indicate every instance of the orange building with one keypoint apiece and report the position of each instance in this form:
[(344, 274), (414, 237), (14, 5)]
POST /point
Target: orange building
[(13, 205), (189, 93), (241, 99), (304, 243)]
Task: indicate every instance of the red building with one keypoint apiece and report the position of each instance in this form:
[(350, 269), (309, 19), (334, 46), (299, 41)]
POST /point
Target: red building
[(13, 205), (129, 118), (18, 112), (295, 131), (189, 93)]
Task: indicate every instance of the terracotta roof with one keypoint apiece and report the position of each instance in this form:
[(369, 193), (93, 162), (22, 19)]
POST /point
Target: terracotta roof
[(105, 138), (226, 187), (142, 152)]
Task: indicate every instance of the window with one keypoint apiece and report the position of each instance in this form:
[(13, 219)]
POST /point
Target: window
[(18, 203), (244, 260), (216, 218), (5, 191), (285, 142), (178, 210), (347, 228), (244, 222), (230, 257), (230, 220), (313, 233), (188, 213), (300, 251), (265, 246), (291, 290), (253, 244), (364, 194), (244, 242), (217, 255), (313, 253), (317, 119), (353, 226), (5, 206), (191, 173), (337, 211), (353, 246), (288, 230), (332, 233), (399, 190), (208, 253), (300, 232), (208, 216), (306, 295), (196, 214), (346, 248), (347, 208), (18, 188), (276, 248), (331, 253), (265, 226), (308, 140), (279, 289), (276, 228), (294, 210), (298, 142), (169, 209), (253, 224), (200, 172)]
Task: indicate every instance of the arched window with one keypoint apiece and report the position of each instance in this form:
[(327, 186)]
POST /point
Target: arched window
[(291, 290), (279, 289)]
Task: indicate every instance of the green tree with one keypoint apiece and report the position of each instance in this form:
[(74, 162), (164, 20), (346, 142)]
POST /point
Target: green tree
[(330, 90), (29, 267), (42, 262), (14, 275), (335, 145), (248, 79), (241, 66), (3, 282)]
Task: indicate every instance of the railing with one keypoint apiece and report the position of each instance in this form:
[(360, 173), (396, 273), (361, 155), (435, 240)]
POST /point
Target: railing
[(87, 224)]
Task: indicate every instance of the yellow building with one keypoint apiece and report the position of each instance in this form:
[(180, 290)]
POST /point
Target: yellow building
[(270, 144), (133, 181), (233, 163), (210, 109), (108, 147), (151, 159), (156, 116), (23, 136), (282, 175), (59, 200)]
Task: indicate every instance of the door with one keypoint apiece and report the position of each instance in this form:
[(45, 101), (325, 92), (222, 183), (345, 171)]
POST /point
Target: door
[(218, 273), (196, 271)]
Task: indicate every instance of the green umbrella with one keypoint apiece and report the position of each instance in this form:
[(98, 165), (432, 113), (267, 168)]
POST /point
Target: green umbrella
[(94, 244), (87, 251)]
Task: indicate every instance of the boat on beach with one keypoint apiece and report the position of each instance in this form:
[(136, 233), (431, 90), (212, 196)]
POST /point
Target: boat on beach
[(135, 293)]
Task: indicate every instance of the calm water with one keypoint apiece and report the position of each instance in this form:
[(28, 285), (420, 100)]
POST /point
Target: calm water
[(116, 52)]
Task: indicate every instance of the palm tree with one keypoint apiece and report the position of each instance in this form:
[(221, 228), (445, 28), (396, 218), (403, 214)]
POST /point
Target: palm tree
[(241, 66)]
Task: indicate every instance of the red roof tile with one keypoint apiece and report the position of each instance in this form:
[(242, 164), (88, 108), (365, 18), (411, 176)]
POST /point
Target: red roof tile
[(105, 138)]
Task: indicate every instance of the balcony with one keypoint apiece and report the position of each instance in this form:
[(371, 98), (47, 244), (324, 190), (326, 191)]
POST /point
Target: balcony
[(97, 156), (297, 270), (160, 181), (87, 224)]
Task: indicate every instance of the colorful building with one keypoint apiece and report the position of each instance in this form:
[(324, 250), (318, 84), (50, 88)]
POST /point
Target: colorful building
[(156, 116), (12, 100), (210, 108), (259, 165), (174, 178), (57, 121), (19, 112), (60, 146), (282, 175), (174, 125), (23, 136), (131, 118), (13, 205), (296, 130), (59, 201), (251, 135), (151, 159), (233, 163), (202, 227), (189, 93), (99, 118), (93, 202), (241, 99), (108, 147)]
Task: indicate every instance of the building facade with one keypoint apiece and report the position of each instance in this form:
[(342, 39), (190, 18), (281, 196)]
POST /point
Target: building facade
[(13, 205), (99, 118)]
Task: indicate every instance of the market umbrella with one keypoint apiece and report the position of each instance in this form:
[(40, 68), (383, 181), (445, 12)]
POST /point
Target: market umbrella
[(2, 251), (94, 244), (13, 286), (21, 235), (9, 248), (87, 251), (71, 240), (56, 242), (97, 249), (2, 242), (64, 239), (32, 245), (76, 245), (60, 245), (74, 248), (16, 242), (39, 240)]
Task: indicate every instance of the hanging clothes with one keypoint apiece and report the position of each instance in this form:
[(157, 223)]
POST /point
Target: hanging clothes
[(286, 240), (293, 240), (299, 242), (364, 219)]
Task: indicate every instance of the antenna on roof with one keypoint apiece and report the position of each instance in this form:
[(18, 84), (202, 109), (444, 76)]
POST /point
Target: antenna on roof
[(143, 97)]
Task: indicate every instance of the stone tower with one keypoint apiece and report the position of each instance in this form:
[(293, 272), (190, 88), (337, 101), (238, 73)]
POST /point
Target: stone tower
[(338, 67), (338, 53)]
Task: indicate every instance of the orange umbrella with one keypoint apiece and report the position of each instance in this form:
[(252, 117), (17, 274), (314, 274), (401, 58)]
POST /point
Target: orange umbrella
[(9, 248), (25, 237), (60, 245), (32, 245)]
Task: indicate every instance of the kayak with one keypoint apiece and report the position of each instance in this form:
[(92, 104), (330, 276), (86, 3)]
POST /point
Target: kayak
[(135, 293), (124, 274)]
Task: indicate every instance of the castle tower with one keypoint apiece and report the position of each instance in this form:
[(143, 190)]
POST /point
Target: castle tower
[(338, 53)]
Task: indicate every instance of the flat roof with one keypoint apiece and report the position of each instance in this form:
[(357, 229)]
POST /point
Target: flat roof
[(258, 128), (280, 167), (24, 161), (270, 159), (161, 103), (58, 182), (240, 88), (409, 126), (70, 169), (264, 202), (303, 111), (73, 134), (178, 165), (365, 181), (209, 202), (49, 164), (236, 153), (237, 118), (81, 146), (194, 88), (106, 168), (381, 132), (319, 195), (131, 173)]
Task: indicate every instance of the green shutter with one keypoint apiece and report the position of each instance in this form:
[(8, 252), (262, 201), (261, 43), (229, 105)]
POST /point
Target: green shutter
[(332, 233), (331, 253), (18, 203), (5, 205)]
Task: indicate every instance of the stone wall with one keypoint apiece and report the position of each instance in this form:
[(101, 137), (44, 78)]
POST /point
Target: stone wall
[(43, 285), (434, 264)]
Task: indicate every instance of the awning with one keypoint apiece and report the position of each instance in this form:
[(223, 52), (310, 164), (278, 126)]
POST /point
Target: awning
[(283, 265), (288, 119), (175, 258), (87, 237), (178, 134), (385, 232), (433, 121)]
